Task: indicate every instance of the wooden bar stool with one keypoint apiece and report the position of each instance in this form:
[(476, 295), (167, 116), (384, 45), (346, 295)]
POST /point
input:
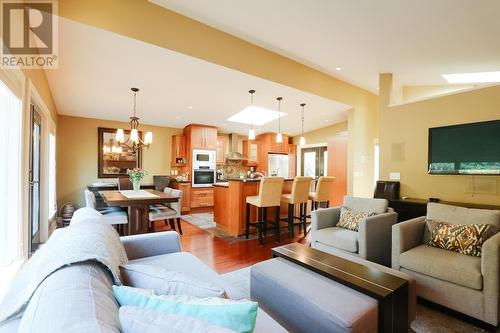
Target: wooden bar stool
[(269, 196), (299, 196), (323, 192)]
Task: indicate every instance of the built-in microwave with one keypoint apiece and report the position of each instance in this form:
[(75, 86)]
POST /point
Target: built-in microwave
[(204, 158), (203, 177)]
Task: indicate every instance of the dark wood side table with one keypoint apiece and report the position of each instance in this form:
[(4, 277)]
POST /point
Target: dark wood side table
[(390, 291), (411, 208)]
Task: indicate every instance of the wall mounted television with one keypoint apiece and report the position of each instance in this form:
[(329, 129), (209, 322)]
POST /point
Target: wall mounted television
[(467, 149)]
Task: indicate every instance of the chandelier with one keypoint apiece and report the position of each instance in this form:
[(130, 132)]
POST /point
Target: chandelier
[(134, 142)]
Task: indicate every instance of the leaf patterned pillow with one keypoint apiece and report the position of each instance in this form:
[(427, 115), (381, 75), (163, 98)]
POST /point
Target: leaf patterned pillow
[(349, 219), (466, 239)]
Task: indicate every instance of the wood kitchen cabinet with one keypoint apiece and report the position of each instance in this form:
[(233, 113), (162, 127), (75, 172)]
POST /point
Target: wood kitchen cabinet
[(280, 147), (202, 197), (201, 137), (222, 147), (251, 150), (178, 150), (292, 154), (185, 187)]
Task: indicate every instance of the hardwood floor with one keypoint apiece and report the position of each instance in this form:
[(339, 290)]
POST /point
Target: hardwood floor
[(225, 257)]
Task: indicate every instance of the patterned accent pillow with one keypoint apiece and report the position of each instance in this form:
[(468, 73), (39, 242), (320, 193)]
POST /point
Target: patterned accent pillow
[(466, 238), (349, 218)]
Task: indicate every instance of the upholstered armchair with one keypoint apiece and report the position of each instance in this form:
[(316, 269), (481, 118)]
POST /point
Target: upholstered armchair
[(372, 241), (464, 283)]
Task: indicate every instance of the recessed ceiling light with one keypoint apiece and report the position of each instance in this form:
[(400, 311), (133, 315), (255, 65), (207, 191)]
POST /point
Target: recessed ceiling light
[(256, 115), (338, 68), (190, 107), (480, 77), (327, 120)]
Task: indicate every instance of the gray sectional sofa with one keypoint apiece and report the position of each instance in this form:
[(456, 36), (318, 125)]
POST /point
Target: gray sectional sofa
[(79, 297)]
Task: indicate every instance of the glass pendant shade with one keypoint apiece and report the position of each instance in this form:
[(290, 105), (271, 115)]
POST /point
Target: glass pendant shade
[(134, 136), (251, 134), (302, 141), (148, 139), (279, 138), (120, 136)]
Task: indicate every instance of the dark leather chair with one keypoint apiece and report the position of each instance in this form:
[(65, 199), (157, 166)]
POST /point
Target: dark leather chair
[(387, 190)]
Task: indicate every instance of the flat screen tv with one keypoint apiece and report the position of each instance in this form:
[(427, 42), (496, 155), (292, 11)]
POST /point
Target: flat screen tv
[(468, 149)]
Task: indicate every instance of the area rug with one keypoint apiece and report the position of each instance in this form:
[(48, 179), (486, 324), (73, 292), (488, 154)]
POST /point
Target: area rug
[(428, 319), (206, 222)]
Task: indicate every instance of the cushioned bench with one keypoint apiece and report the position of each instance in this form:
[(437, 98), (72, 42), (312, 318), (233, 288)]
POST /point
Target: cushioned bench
[(303, 301)]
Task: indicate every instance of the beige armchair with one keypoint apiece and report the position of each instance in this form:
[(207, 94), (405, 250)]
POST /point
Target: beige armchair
[(372, 241), (460, 282)]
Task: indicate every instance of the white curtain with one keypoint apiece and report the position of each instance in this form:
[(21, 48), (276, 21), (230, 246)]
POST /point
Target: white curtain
[(10, 180)]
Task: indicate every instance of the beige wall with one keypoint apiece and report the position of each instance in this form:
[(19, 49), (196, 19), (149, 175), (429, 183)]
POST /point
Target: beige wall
[(403, 143), (77, 154), (321, 135), (143, 20), (412, 93)]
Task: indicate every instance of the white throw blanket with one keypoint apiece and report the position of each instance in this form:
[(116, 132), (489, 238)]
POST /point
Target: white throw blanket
[(91, 240)]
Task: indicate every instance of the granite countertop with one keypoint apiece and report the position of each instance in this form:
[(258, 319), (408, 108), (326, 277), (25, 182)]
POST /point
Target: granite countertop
[(251, 180), (221, 184), (173, 180)]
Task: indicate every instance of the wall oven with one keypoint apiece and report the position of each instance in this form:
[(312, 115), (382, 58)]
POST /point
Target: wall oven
[(203, 168), (203, 177)]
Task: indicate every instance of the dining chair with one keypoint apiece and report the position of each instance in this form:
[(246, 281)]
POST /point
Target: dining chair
[(298, 196), (112, 215), (124, 183), (269, 196), (167, 212), (161, 182)]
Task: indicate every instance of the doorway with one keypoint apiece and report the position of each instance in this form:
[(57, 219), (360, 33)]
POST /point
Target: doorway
[(34, 179), (314, 162)]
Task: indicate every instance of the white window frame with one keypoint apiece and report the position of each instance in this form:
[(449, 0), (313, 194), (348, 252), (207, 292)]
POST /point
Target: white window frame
[(14, 80)]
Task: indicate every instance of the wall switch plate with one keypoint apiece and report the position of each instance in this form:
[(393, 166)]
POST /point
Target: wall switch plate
[(394, 176)]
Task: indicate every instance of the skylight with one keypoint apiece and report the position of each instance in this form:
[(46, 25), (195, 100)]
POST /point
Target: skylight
[(481, 77), (256, 115)]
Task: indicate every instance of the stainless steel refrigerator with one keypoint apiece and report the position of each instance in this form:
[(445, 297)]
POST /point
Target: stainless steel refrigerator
[(278, 165)]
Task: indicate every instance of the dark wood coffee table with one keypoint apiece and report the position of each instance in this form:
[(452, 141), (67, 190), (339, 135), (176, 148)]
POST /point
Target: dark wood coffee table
[(390, 291)]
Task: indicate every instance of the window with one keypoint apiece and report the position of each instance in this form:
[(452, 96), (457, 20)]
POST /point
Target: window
[(376, 161), (10, 176), (52, 176)]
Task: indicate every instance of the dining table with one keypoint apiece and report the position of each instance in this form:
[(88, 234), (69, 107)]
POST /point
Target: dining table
[(138, 203)]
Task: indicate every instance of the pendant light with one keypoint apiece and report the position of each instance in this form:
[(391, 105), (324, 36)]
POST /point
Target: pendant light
[(251, 132), (279, 136), (302, 138), (133, 143)]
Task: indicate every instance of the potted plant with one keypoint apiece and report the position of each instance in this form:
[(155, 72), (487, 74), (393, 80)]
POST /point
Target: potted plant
[(136, 176)]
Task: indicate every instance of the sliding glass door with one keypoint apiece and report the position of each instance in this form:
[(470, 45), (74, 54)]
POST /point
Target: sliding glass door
[(34, 179)]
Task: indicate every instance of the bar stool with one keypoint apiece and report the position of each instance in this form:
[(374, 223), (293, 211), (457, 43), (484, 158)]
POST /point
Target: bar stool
[(269, 196), (299, 196), (323, 191)]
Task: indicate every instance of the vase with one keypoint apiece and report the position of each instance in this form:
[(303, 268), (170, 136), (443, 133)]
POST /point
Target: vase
[(136, 185)]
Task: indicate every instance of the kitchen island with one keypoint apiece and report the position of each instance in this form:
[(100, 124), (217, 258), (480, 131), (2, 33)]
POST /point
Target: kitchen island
[(230, 203)]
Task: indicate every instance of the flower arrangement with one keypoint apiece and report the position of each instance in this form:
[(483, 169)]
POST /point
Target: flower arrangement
[(136, 176)]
